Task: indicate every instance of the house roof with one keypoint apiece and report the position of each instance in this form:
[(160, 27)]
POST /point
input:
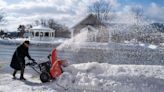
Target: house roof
[(89, 20), (41, 28)]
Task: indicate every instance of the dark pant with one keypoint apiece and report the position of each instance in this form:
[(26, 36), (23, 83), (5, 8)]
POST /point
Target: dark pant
[(22, 73)]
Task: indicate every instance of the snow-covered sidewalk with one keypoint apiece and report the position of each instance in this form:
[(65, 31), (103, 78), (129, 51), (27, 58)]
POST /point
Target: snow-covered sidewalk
[(90, 77)]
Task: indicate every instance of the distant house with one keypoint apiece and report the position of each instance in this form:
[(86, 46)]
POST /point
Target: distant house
[(42, 33), (97, 31)]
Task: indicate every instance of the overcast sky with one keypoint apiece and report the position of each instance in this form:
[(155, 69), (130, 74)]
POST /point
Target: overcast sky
[(69, 12)]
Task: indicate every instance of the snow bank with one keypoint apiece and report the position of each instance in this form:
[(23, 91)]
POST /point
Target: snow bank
[(117, 78), (91, 77)]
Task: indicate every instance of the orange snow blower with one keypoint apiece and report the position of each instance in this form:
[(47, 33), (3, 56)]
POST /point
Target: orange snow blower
[(51, 69)]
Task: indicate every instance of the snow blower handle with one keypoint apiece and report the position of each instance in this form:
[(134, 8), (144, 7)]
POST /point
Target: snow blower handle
[(33, 63)]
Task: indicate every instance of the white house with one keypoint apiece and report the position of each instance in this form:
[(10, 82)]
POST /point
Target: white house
[(97, 31), (91, 33), (41, 33)]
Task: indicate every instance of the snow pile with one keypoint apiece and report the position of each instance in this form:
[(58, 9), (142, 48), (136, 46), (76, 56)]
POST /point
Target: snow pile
[(119, 78), (90, 77), (65, 80)]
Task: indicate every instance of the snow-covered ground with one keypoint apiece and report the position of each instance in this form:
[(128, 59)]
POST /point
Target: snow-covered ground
[(94, 76), (90, 77)]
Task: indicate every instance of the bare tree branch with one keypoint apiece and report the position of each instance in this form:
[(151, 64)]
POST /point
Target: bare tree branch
[(101, 9), (138, 13)]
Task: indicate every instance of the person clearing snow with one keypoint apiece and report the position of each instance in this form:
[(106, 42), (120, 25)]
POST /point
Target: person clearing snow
[(18, 59)]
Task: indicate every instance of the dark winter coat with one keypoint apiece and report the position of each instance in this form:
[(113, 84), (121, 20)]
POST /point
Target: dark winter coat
[(18, 59)]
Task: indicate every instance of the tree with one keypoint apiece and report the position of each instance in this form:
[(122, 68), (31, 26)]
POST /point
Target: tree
[(101, 9), (143, 30), (37, 23), (137, 12), (41, 21), (61, 30), (21, 30), (137, 15), (51, 22), (1, 32), (28, 26), (2, 17), (54, 25)]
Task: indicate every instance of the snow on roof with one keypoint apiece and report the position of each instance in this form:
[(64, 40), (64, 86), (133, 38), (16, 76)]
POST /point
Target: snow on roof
[(41, 28)]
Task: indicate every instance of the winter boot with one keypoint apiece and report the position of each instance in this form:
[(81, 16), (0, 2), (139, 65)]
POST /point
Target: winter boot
[(22, 78), (22, 74), (14, 73)]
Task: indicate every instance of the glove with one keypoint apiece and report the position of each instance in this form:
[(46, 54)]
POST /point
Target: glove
[(28, 64), (33, 60), (31, 64)]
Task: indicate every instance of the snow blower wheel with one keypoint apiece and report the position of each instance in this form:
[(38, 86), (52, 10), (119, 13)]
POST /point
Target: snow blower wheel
[(45, 77)]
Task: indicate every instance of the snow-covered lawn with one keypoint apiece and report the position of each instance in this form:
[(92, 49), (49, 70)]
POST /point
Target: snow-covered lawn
[(90, 77)]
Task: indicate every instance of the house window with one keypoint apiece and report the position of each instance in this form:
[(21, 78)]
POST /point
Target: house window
[(37, 34), (47, 34)]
